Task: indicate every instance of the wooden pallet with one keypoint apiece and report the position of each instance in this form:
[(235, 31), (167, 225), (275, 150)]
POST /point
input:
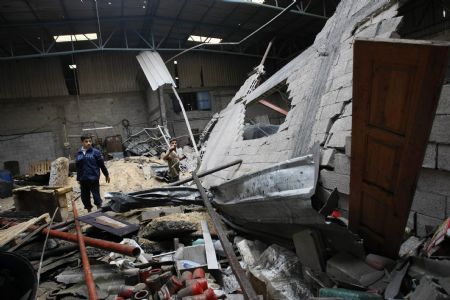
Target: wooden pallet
[(40, 167)]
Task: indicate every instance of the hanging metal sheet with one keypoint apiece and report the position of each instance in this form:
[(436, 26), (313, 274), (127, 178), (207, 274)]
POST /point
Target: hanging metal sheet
[(154, 69)]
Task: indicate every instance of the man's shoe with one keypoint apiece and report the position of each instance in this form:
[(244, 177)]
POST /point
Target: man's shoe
[(89, 209)]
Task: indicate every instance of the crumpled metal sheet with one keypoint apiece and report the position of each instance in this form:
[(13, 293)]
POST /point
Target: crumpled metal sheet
[(155, 69), (176, 195), (278, 194)]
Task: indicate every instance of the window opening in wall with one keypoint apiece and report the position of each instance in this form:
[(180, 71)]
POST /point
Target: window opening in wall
[(70, 74), (264, 115), (192, 101)]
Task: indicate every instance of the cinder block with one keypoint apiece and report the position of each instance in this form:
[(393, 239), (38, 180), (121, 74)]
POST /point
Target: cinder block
[(425, 221), (388, 26), (331, 111), (429, 161), (327, 157), (443, 159), (369, 31), (345, 94), (342, 82), (329, 98), (429, 204), (434, 181), (338, 139), (341, 164), (348, 110), (444, 101), (342, 124), (439, 131), (448, 208), (331, 180)]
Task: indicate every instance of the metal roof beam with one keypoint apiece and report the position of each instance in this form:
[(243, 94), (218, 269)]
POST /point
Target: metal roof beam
[(108, 20), (61, 53), (173, 25), (298, 11)]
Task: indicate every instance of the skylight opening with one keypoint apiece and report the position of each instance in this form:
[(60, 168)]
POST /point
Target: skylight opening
[(75, 37), (204, 39), (257, 1)]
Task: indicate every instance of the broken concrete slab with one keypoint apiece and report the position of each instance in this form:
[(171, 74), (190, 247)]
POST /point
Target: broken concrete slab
[(342, 164), (158, 229), (176, 224), (332, 180)]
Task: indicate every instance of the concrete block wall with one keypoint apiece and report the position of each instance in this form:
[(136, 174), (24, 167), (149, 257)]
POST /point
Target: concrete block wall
[(27, 148), (64, 116), (320, 85)]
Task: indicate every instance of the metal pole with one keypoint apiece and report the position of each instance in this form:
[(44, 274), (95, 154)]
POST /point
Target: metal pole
[(202, 174), (244, 282), (187, 122), (84, 258)]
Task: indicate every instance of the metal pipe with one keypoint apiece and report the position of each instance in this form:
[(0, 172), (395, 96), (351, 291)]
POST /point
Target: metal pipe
[(244, 282), (97, 243), (92, 293), (207, 172), (273, 106)]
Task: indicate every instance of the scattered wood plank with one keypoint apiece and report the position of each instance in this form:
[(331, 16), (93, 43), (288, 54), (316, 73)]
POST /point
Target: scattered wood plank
[(211, 257), (11, 233)]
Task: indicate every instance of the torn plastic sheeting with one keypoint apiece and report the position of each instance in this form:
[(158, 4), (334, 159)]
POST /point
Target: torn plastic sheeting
[(281, 271), (120, 202)]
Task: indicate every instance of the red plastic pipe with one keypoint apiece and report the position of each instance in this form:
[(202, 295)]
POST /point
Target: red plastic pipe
[(97, 243), (92, 293)]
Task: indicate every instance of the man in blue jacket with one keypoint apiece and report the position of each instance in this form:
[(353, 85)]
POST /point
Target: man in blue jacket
[(89, 162)]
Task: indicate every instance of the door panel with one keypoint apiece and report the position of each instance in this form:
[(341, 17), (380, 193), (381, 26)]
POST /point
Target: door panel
[(396, 87)]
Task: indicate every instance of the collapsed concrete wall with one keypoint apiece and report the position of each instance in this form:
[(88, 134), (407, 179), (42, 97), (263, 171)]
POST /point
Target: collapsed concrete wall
[(319, 83)]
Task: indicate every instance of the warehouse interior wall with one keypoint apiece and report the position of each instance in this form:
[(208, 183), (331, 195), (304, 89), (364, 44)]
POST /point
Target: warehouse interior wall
[(40, 111)]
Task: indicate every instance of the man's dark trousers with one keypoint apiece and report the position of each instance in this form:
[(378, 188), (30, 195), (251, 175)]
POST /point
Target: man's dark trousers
[(88, 187)]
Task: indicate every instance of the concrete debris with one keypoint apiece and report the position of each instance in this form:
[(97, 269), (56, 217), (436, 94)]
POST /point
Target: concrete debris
[(428, 289)]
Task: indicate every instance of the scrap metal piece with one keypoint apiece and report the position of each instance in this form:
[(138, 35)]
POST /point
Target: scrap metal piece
[(278, 194), (120, 202), (104, 222), (154, 69)]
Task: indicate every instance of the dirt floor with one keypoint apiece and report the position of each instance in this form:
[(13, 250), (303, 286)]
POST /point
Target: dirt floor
[(127, 175)]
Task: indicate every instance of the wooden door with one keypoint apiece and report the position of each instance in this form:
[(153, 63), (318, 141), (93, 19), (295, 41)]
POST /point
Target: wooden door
[(396, 87)]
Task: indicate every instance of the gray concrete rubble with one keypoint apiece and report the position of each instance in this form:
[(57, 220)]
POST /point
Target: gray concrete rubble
[(273, 223)]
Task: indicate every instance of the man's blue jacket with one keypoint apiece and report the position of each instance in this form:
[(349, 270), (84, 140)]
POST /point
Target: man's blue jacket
[(89, 165)]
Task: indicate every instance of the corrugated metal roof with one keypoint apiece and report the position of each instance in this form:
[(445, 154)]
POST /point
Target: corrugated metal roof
[(154, 69), (107, 73), (32, 78)]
